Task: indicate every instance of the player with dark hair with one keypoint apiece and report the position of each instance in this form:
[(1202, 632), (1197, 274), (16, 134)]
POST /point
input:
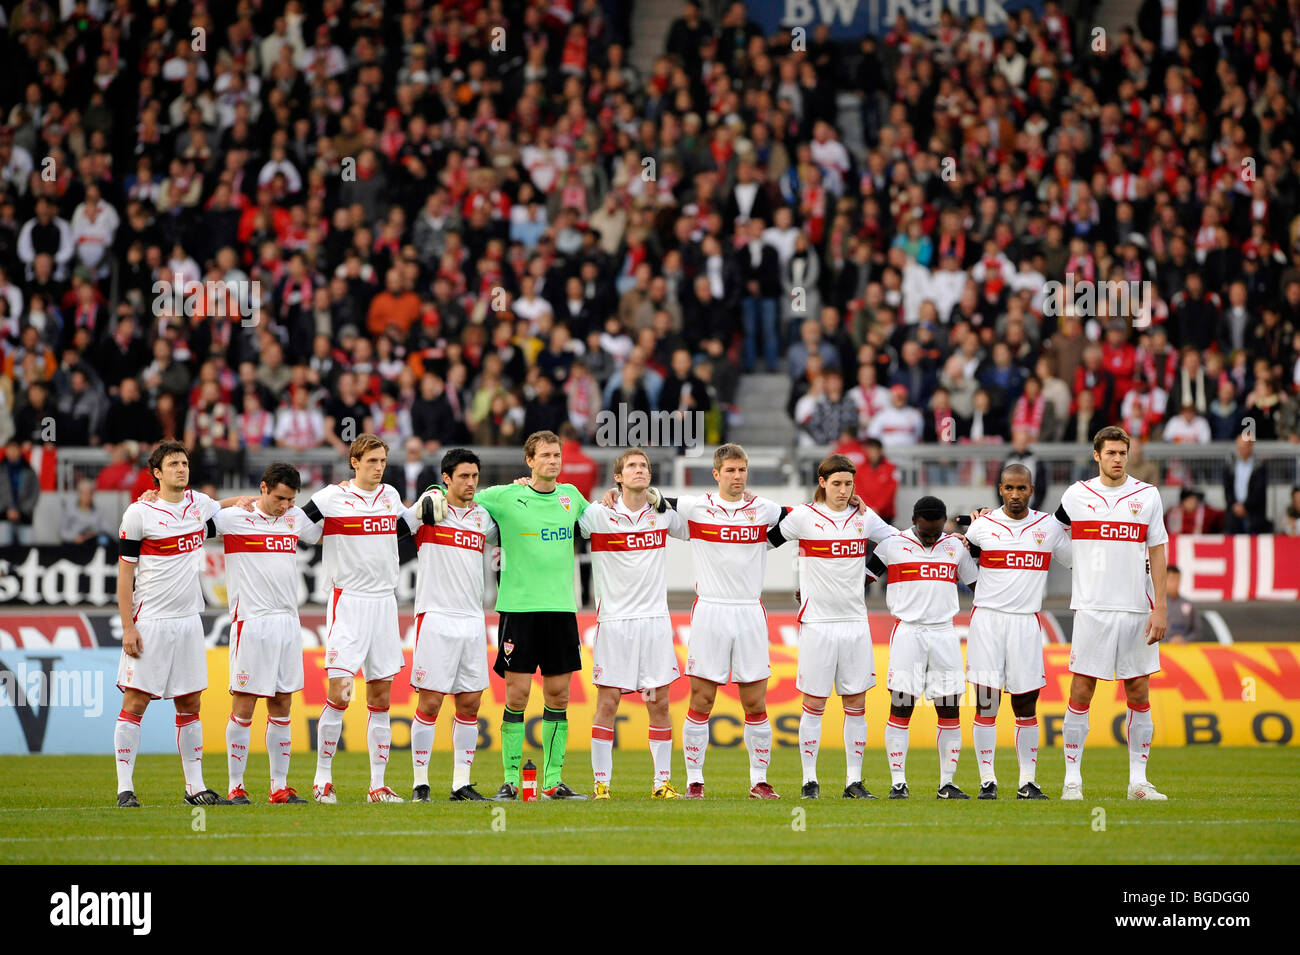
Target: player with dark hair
[(262, 580), (923, 565), (1015, 546), (450, 655), (538, 626), (159, 598), (1118, 595), (834, 635)]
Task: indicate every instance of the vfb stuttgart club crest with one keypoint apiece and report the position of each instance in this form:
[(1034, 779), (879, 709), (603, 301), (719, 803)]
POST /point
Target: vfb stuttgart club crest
[(242, 679), (749, 516), (1135, 507), (565, 501), (858, 527), (331, 655), (420, 675), (508, 647), (1039, 537)]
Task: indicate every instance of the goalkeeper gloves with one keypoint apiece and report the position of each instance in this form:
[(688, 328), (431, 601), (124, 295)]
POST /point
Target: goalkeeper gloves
[(656, 500), (432, 506)]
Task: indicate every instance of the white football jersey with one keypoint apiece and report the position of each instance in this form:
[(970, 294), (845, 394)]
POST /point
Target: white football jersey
[(923, 582), (449, 561), (832, 559), (1111, 529), (628, 557), (1014, 558), (728, 545), (360, 536), (165, 542), (261, 559)]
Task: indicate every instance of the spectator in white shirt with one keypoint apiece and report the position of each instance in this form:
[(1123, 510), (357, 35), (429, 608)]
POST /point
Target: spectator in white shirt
[(94, 224), (899, 424), (1187, 427), (299, 426)]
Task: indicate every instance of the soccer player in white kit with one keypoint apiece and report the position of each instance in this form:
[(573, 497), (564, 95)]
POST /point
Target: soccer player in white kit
[(729, 635), (451, 656), (834, 637), (362, 519), (634, 633), (1015, 546), (1119, 600), (262, 581), (923, 566), (160, 599)]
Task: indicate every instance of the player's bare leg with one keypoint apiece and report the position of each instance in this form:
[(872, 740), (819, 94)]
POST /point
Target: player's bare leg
[(602, 740), (661, 743), (422, 732), (1139, 732), (855, 744), (810, 741), (758, 738), (555, 737), (949, 743), (896, 740), (328, 731), (518, 688), (984, 734), (278, 745), (238, 735), (379, 739), (464, 744), (695, 734), (126, 745), (189, 742), (1074, 731)]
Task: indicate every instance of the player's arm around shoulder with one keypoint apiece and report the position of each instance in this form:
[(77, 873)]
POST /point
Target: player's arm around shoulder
[(968, 568), (592, 518), (788, 526), (493, 498), (319, 504), (309, 532)]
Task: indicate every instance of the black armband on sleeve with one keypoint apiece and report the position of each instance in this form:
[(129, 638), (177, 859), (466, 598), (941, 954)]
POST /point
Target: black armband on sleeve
[(403, 529), (876, 567), (128, 548), (774, 535), (668, 502), (313, 512), (974, 550), (1061, 516), (212, 527)]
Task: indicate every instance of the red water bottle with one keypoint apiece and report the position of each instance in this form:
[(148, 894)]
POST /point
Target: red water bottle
[(528, 791)]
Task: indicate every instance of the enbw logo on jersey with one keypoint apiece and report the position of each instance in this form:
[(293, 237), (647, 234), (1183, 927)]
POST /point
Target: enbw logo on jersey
[(557, 533)]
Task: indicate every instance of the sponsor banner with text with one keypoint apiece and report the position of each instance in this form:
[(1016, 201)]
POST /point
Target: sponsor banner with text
[(1239, 568), (1205, 695)]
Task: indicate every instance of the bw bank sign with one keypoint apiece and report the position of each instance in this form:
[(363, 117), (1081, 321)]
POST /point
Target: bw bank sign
[(852, 19)]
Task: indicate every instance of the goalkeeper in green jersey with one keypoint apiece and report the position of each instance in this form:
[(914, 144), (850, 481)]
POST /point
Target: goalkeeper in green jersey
[(539, 623)]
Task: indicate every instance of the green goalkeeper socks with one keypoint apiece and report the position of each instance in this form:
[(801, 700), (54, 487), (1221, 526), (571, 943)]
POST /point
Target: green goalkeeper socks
[(555, 737), (512, 744)]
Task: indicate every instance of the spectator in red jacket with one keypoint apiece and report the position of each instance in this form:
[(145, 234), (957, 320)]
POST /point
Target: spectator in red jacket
[(877, 480)]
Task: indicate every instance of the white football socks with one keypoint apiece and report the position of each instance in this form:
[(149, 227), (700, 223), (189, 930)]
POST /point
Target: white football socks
[(1073, 732), (896, 748), (328, 730), (238, 734), (984, 734), (810, 739), (948, 740), (422, 733), (379, 738), (126, 743), (1140, 730), (661, 753), (464, 743), (189, 743), (855, 744), (602, 753), (278, 744), (695, 743), (758, 741), (1027, 747)]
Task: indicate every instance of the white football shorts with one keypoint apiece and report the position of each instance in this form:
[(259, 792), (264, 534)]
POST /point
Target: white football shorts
[(634, 654), (1005, 651), (1112, 645), (362, 634), (728, 642), (925, 659), (450, 653), (173, 659), (266, 655), (836, 655)]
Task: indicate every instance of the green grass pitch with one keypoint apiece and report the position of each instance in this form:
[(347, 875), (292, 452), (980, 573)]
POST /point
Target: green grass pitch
[(1226, 806)]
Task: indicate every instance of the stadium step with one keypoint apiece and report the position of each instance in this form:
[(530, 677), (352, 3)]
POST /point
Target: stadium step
[(651, 20), (761, 400)]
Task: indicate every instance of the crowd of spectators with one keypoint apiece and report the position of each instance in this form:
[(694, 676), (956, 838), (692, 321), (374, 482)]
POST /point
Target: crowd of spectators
[(469, 220)]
